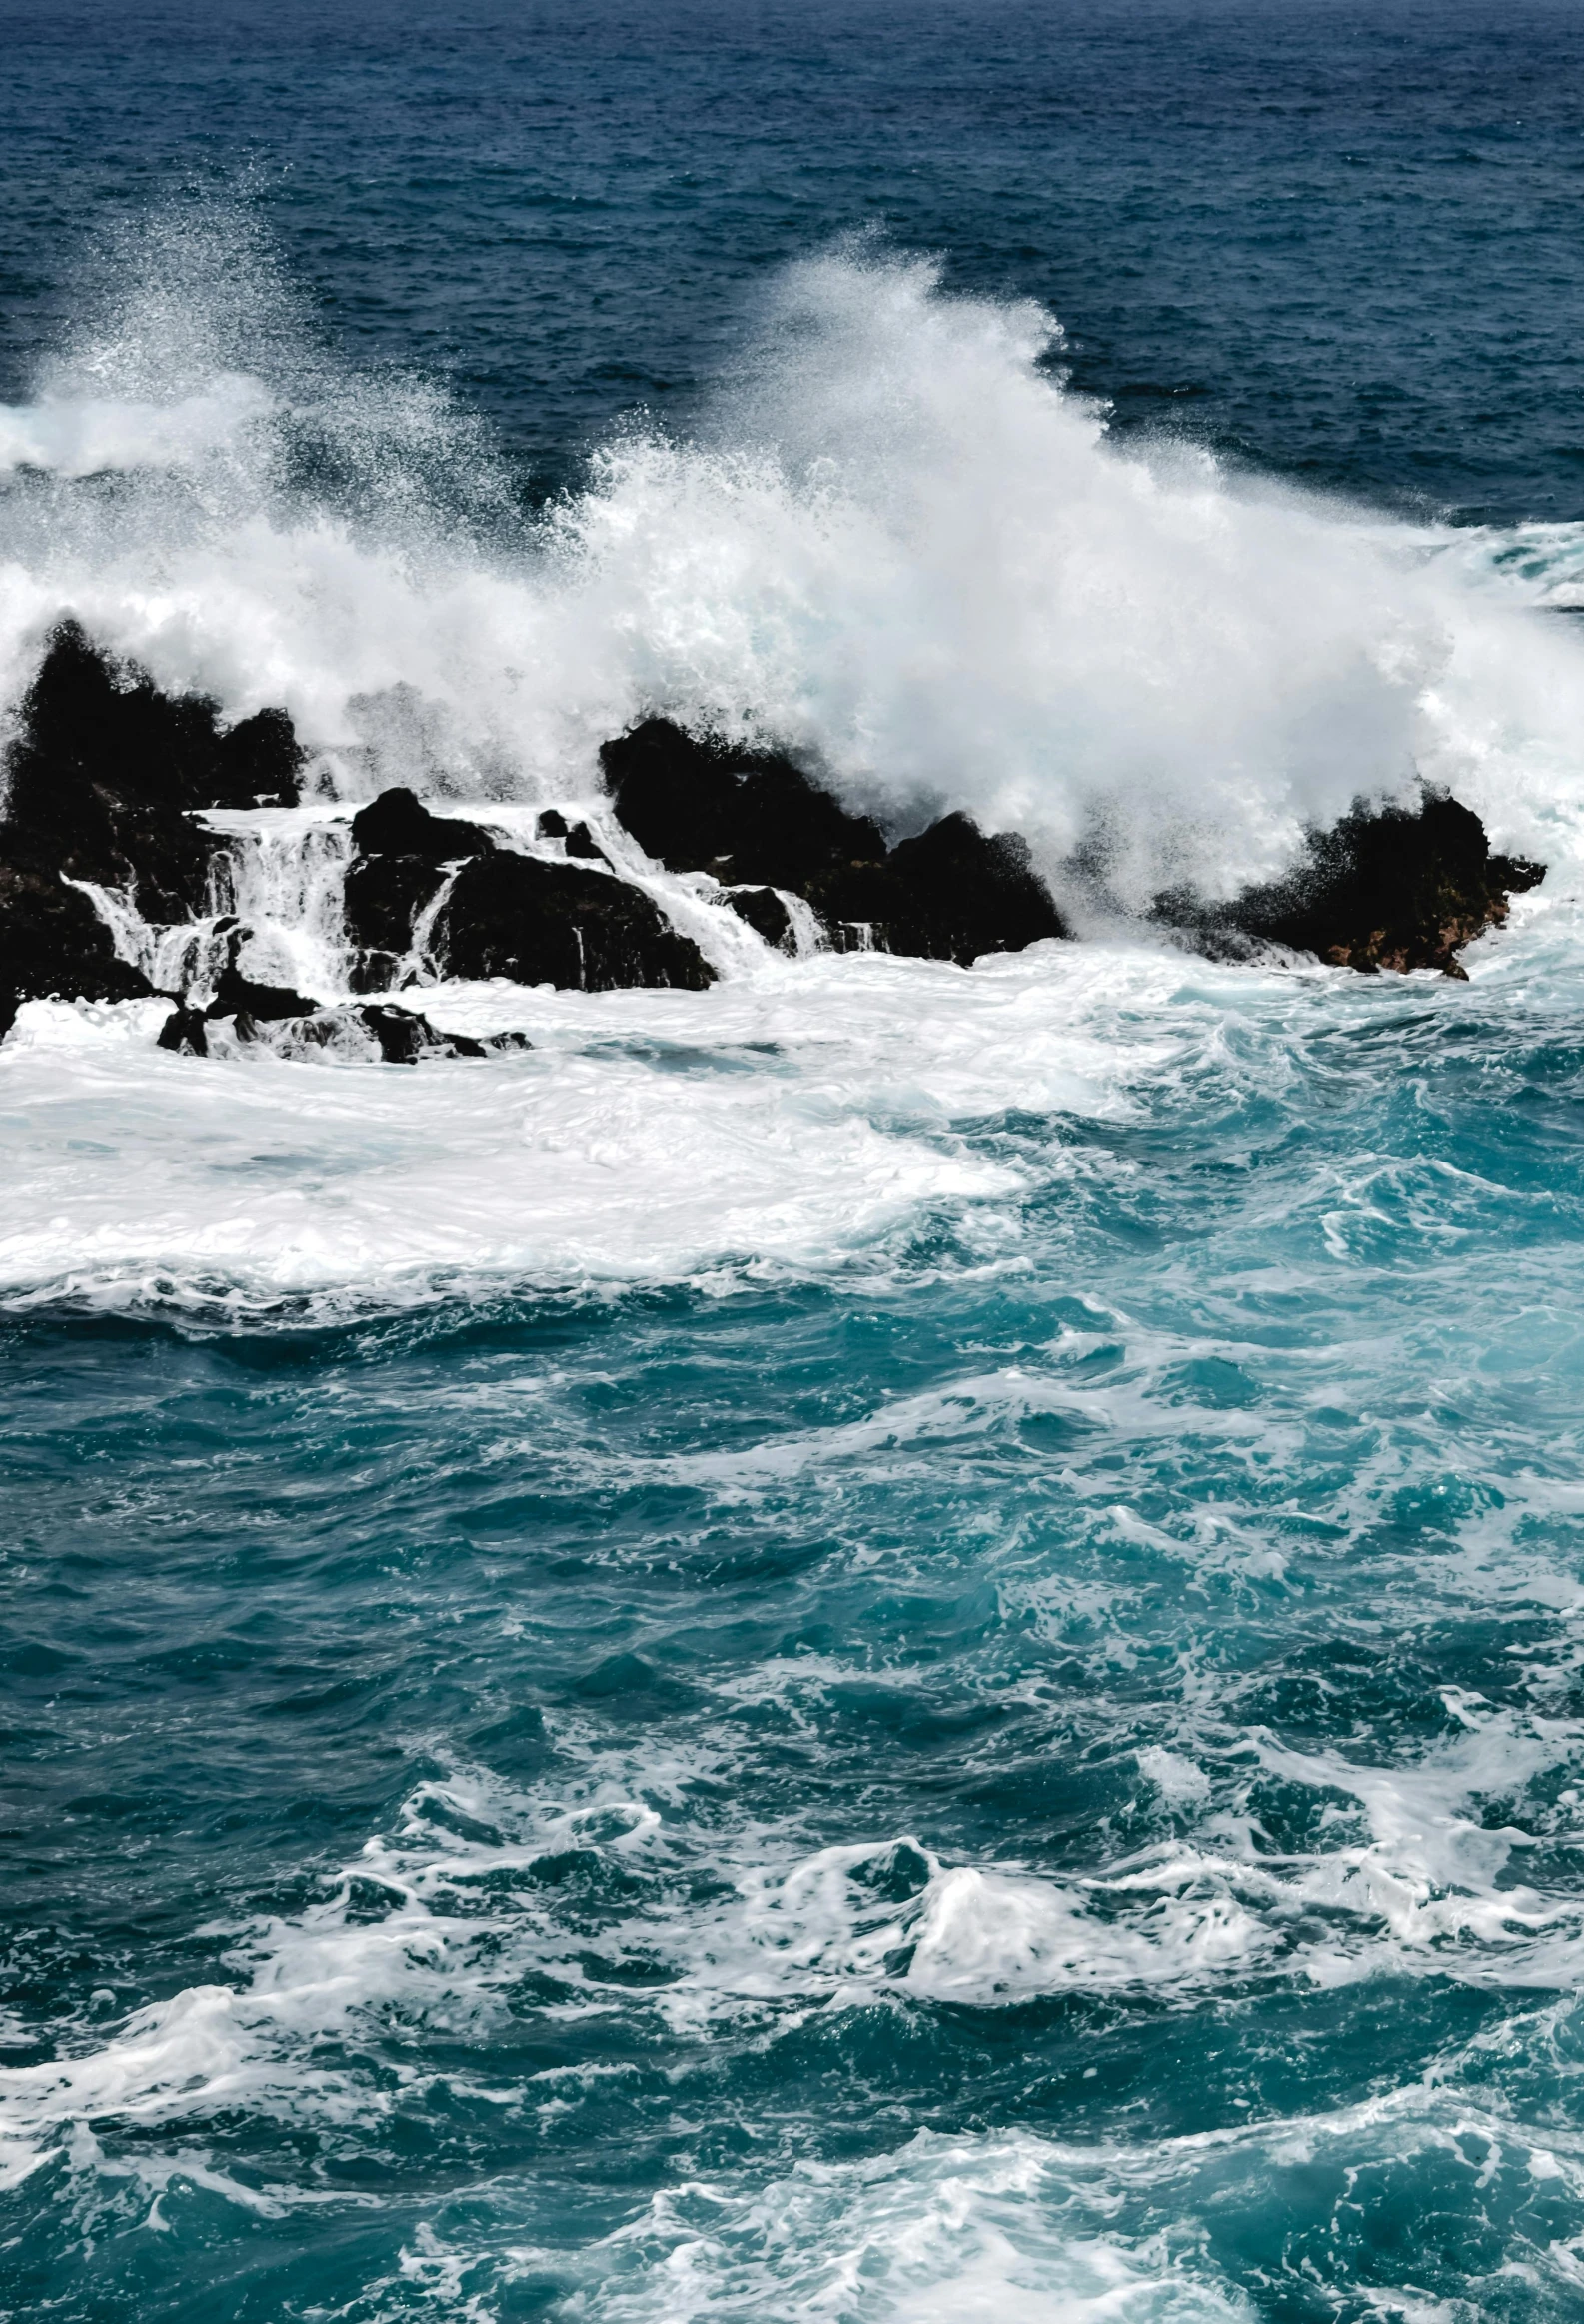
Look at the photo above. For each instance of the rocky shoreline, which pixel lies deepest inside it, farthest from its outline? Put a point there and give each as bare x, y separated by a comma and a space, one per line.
108, 782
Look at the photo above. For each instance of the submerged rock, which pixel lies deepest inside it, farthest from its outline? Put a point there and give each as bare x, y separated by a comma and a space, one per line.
1385, 888
186, 1030
362, 1030
240, 996
101, 785
399, 1037
549, 924
753, 819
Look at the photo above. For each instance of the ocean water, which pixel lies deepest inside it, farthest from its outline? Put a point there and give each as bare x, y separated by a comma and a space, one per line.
891, 1644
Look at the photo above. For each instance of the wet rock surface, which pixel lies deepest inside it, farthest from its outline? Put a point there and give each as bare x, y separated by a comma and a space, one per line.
750, 817
582, 842
952, 894
551, 923
755, 819
101, 783
1385, 888
52, 940
402, 853
399, 1037
237, 994
398, 824
766, 912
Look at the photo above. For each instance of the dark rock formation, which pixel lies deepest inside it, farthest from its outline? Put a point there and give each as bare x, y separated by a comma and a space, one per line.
402, 855
53, 941
766, 913
238, 995
754, 817
505, 914
582, 842
549, 924
1385, 888
187, 1031
398, 824
101, 783
951, 893
107, 772
750, 817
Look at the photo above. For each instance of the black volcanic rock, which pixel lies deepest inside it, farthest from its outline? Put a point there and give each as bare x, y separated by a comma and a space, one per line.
52, 940
187, 1031
750, 817
551, 923
238, 995
398, 824
398, 1037
766, 913
101, 784
1384, 888
951, 893
582, 842
107, 772
84, 722
402, 853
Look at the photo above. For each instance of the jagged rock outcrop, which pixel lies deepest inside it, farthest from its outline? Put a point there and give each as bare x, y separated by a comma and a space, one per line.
516, 915
582, 842
753, 818
1385, 888
107, 778
750, 817
951, 893
101, 784
402, 853
503, 914
240, 996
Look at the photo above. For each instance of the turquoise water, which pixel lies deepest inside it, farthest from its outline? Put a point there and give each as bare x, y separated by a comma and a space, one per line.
1032, 1765
891, 1643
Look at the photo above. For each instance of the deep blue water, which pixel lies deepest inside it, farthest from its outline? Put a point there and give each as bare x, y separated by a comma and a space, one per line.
1014, 1755
1340, 239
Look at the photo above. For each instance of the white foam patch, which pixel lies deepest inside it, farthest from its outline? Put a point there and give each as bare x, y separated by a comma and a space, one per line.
949, 2228
1042, 2231
788, 1118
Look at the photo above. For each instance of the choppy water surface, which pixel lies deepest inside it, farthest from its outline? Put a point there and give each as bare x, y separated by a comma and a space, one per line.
892, 1644
1025, 1765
